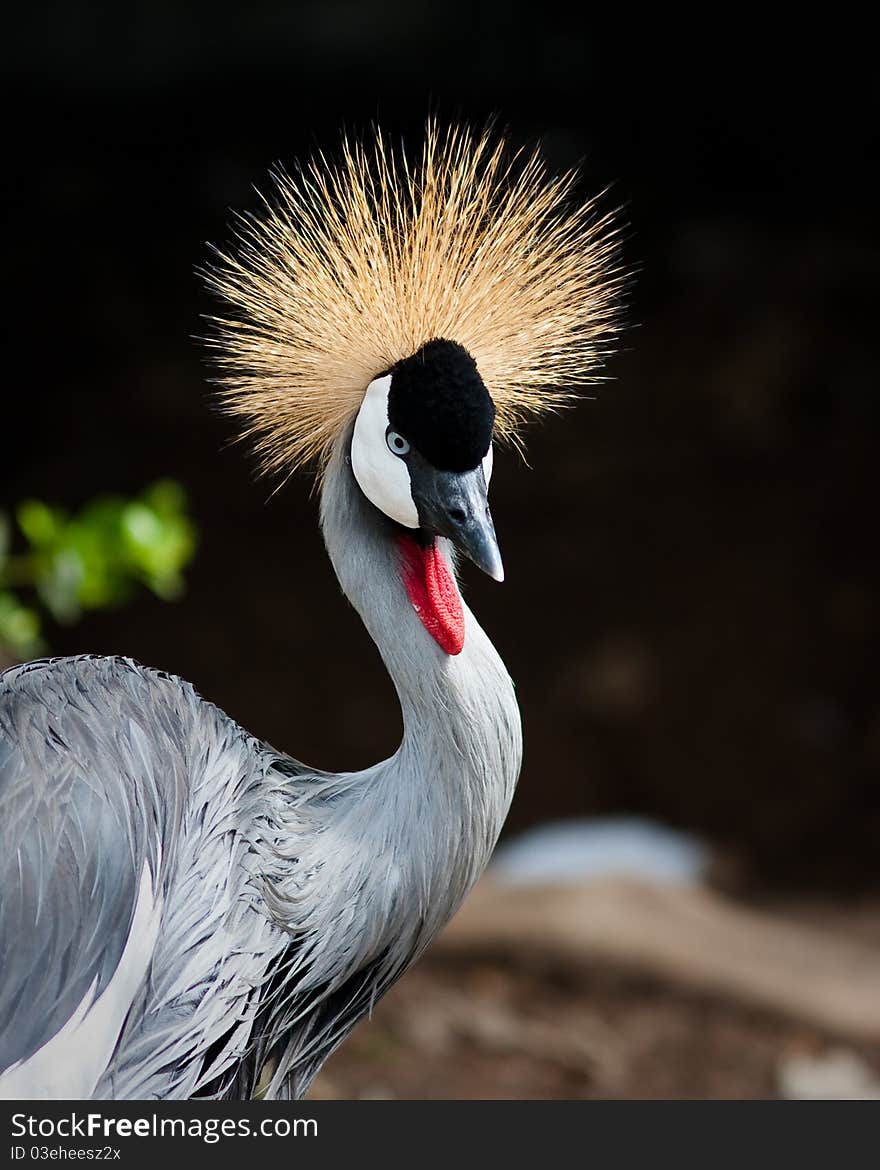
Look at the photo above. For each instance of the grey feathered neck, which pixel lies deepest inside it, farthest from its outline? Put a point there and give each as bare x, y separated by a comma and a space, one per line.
439, 694
394, 848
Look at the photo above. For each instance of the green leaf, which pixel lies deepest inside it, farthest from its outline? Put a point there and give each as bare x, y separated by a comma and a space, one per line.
5, 538
58, 581
167, 497
19, 627
39, 523
141, 525
159, 538
96, 558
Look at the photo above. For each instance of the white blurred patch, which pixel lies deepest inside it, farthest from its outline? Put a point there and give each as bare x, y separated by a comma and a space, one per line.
839, 1075
583, 850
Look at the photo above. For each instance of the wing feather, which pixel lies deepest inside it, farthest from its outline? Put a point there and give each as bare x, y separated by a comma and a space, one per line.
80, 851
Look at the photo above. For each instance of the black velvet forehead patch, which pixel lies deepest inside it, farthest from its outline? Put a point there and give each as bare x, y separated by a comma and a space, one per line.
438, 402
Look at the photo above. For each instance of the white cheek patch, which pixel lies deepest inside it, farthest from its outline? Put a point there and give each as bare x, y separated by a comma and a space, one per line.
383, 477
488, 460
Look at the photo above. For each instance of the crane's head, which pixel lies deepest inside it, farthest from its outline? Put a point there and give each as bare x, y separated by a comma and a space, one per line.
423, 306
421, 450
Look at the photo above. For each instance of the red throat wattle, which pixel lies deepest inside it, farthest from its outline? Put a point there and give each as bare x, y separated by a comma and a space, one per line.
433, 592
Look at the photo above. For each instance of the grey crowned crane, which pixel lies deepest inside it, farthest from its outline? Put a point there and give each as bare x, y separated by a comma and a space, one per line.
185, 910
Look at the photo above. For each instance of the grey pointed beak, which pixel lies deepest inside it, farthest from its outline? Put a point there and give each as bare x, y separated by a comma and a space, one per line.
455, 504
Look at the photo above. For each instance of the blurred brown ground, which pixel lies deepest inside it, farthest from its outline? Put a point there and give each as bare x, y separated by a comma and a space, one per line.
472, 1025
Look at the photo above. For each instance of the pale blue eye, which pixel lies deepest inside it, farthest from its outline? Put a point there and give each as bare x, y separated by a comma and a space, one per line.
397, 444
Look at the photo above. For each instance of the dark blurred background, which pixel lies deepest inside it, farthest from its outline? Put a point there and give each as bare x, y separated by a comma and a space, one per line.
691, 611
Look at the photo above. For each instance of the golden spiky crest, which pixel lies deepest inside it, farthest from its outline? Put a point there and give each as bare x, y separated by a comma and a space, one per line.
353, 265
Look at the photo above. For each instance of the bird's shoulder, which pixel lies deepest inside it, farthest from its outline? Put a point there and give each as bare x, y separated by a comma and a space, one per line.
54, 685
99, 707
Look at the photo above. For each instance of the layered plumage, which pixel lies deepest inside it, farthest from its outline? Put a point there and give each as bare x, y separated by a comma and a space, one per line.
352, 265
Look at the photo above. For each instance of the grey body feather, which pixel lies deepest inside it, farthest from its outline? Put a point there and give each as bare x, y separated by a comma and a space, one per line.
285, 899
